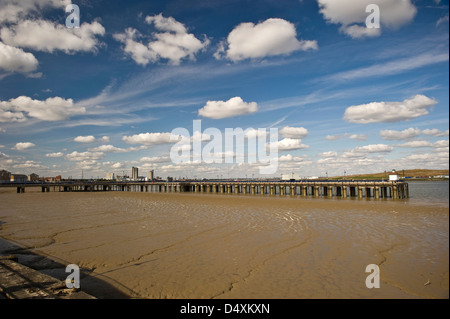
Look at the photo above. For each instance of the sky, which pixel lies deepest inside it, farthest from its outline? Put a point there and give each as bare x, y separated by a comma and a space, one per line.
347, 96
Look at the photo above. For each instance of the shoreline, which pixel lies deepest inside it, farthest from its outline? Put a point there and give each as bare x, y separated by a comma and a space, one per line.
180, 245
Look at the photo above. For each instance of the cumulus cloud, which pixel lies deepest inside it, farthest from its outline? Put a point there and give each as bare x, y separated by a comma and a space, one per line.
410, 133
252, 133
389, 111
14, 11
29, 164
328, 154
148, 138
173, 42
375, 148
84, 139
268, 38
223, 109
363, 151
294, 132
84, 156
399, 135
351, 15
441, 146
415, 144
117, 165
51, 109
435, 132
13, 59
114, 149
155, 159
358, 137
47, 36
57, 154
23, 146
290, 144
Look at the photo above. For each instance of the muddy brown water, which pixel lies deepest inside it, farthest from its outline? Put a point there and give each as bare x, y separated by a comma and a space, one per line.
183, 245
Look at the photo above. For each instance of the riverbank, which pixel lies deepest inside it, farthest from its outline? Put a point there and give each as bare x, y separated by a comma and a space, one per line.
184, 245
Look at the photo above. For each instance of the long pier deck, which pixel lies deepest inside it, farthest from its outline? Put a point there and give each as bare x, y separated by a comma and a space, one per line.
308, 188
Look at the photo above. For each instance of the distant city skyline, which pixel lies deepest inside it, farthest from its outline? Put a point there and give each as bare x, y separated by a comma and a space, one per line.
104, 98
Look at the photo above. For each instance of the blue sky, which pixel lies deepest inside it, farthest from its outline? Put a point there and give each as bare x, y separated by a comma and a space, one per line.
104, 97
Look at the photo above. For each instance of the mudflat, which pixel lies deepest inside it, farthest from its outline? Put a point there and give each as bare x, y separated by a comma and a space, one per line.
184, 245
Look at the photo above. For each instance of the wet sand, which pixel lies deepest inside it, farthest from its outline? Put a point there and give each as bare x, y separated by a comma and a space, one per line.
156, 245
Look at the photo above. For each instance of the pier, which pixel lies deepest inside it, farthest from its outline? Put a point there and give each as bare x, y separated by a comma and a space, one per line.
307, 188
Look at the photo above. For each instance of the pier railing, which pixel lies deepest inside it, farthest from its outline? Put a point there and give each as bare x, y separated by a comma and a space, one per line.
308, 188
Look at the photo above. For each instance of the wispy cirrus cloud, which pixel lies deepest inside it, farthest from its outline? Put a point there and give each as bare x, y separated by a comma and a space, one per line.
389, 68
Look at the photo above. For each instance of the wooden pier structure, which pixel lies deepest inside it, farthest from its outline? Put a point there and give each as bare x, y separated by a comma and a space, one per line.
309, 188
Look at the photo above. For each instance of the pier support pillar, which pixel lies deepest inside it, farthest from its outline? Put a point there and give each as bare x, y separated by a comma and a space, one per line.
395, 195
360, 192
316, 191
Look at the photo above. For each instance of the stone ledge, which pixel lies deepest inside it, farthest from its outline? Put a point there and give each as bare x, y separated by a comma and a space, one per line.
20, 282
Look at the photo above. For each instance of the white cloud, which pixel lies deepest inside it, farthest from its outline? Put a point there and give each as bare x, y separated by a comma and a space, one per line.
351, 14
294, 132
268, 38
117, 165
57, 154
84, 156
108, 148
328, 154
223, 109
433, 159
289, 144
435, 132
415, 144
375, 148
252, 133
148, 138
114, 149
43, 35
289, 158
51, 109
389, 111
29, 164
155, 159
23, 146
441, 146
84, 139
16, 60
357, 32
173, 44
14, 11
399, 135
104, 139
363, 151
410, 133
359, 137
